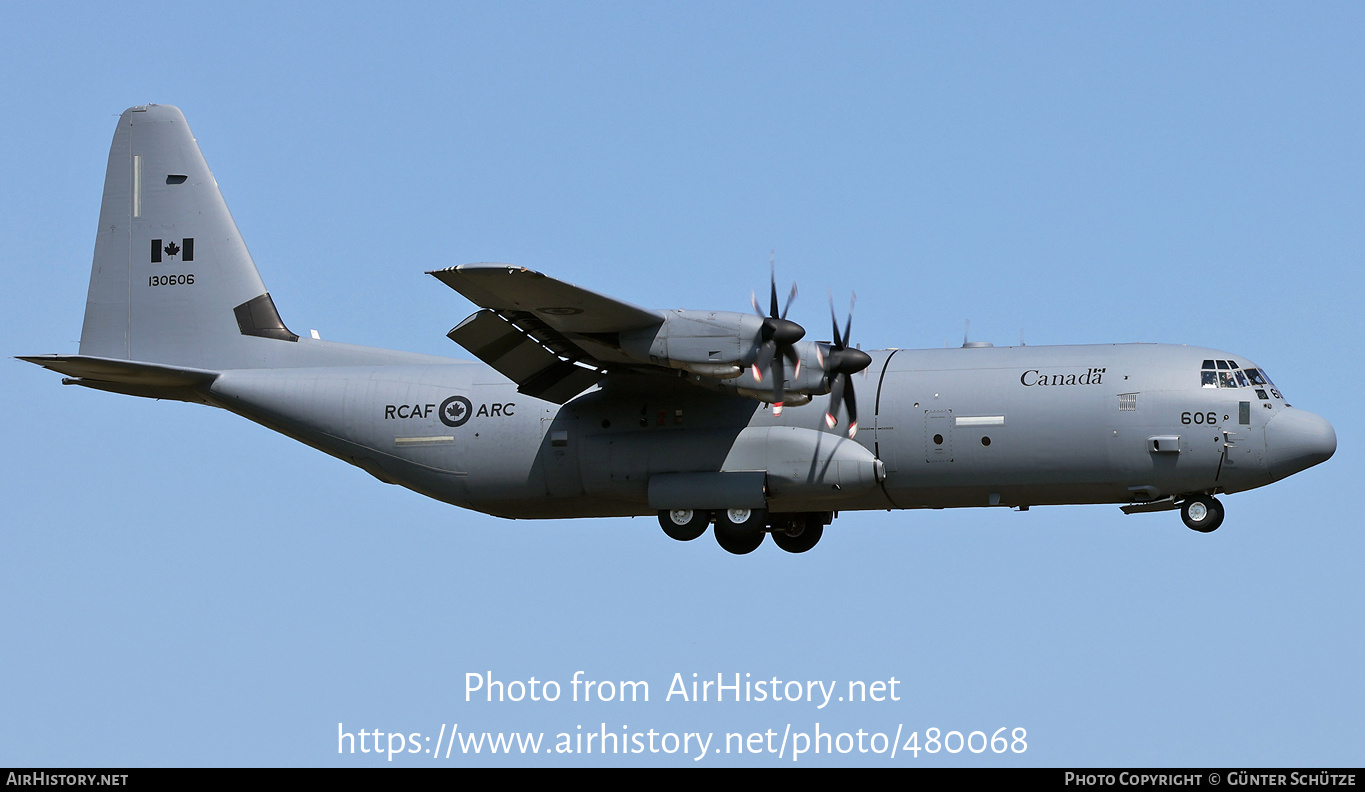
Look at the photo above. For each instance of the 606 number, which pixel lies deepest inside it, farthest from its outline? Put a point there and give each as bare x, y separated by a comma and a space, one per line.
1199, 418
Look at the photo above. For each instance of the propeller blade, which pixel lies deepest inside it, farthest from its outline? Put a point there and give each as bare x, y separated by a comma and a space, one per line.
774, 344
765, 357
848, 326
840, 362
852, 408
836, 396
779, 386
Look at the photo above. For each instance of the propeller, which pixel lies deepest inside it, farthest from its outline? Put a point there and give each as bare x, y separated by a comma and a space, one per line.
774, 344
840, 363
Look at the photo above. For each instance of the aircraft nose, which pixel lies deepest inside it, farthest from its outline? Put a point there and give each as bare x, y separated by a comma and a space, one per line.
1297, 440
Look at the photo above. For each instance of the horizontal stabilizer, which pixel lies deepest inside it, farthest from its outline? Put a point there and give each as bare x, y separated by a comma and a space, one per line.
123, 371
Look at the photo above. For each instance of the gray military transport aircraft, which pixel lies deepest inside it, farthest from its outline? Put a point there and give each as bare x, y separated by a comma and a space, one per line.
592, 407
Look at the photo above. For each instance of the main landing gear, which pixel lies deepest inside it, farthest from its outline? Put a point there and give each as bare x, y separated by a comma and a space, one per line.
1202, 513
740, 531
798, 533
684, 524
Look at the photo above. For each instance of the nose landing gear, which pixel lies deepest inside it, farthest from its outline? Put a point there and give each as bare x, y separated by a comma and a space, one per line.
1202, 513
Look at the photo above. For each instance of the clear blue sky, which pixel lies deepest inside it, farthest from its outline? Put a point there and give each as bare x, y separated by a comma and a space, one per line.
178, 586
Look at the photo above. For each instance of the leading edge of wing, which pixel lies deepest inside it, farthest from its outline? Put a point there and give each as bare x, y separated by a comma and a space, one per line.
563, 306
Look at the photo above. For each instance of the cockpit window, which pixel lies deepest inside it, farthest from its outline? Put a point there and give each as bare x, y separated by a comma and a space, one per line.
1227, 374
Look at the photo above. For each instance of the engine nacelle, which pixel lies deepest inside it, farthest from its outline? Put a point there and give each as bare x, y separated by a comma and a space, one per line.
802, 382
718, 348
694, 338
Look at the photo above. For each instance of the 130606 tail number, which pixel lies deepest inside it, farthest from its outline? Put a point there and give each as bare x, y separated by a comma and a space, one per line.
171, 280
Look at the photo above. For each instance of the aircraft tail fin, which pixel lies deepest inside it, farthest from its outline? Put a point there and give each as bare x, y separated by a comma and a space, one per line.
172, 281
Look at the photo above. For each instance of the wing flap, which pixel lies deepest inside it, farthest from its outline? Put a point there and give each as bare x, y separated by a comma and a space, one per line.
554, 339
522, 358
491, 339
560, 382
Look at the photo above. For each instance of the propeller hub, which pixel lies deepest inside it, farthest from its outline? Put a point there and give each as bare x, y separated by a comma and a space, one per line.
784, 331
848, 361
856, 360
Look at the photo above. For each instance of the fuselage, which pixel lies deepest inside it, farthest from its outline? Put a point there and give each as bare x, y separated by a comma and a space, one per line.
583, 405
1010, 426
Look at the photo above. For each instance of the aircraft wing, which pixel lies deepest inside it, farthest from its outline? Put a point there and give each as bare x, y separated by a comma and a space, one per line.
552, 338
563, 306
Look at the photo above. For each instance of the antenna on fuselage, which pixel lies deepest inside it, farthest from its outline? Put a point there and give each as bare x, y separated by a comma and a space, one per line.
967, 343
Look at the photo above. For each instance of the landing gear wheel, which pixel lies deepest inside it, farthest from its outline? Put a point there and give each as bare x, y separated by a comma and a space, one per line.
684, 524
740, 531
809, 530
1202, 513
